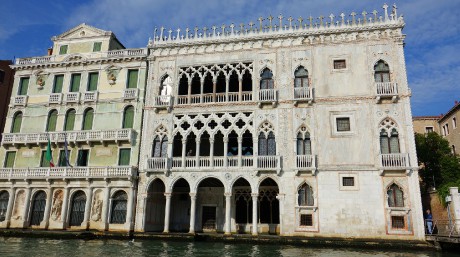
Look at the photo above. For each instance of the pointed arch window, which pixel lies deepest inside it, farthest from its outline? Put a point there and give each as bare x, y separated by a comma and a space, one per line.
69, 122
305, 197
381, 72
128, 117
395, 196
52, 119
266, 79
88, 119
389, 142
301, 77
160, 146
267, 144
303, 144
17, 121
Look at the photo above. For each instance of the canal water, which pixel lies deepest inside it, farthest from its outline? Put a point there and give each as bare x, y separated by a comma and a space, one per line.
30, 247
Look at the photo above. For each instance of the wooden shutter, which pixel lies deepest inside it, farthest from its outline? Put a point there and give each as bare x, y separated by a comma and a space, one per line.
132, 78
128, 117
125, 156
75, 84
92, 81
63, 49
52, 118
58, 80
69, 120
62, 161
44, 162
97, 46
88, 119
24, 86
17, 120
9, 159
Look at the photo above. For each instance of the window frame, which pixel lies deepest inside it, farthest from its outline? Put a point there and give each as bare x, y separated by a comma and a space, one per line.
21, 84
6, 159
429, 127
88, 89
55, 83
342, 114
343, 187
63, 49
99, 46
72, 79
128, 80
337, 61
128, 150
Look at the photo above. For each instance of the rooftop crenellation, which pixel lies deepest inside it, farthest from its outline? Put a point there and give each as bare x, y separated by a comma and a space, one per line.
277, 25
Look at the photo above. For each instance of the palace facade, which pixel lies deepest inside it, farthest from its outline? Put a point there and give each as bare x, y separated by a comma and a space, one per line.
289, 127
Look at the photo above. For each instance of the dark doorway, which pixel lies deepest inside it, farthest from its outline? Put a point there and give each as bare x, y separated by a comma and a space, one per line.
208, 218
77, 210
38, 208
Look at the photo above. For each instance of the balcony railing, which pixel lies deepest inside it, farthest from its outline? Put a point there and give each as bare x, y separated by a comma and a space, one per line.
20, 100
55, 98
394, 161
268, 96
90, 96
303, 93
85, 136
305, 162
245, 96
386, 89
67, 173
72, 97
127, 52
130, 93
163, 101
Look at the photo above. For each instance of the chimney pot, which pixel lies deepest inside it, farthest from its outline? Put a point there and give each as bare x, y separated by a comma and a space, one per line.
50, 51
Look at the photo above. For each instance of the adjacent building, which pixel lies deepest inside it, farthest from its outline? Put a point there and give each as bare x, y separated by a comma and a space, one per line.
85, 101
6, 86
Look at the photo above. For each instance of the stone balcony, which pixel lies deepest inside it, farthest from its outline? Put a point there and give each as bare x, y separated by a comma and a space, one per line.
90, 96
303, 94
55, 98
67, 173
229, 97
72, 97
130, 93
386, 90
258, 163
268, 96
20, 100
394, 161
73, 137
305, 163
163, 102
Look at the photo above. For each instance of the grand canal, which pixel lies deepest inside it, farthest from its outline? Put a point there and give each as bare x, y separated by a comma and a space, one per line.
51, 247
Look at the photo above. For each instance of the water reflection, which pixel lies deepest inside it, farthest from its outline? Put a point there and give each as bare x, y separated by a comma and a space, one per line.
32, 247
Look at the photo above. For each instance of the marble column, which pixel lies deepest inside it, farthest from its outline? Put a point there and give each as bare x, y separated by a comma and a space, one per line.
49, 203
240, 150
9, 209
25, 212
255, 197
106, 206
214, 90
225, 151
240, 89
167, 212
189, 94
211, 152
192, 212
201, 89
65, 204
197, 153
89, 199
130, 209
228, 205
184, 145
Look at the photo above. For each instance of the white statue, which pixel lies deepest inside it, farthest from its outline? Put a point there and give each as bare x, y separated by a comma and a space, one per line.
166, 90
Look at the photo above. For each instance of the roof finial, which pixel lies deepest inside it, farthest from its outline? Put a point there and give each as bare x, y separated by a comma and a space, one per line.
187, 31
311, 21
385, 7
280, 17
161, 32
394, 11
332, 18
251, 24
321, 20
300, 19
214, 30
364, 13
270, 18
343, 18
223, 29
375, 15
353, 14
260, 23
290, 19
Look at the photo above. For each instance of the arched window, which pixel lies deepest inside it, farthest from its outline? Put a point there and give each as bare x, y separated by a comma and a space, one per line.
4, 197
52, 119
119, 208
305, 195
389, 142
266, 79
267, 144
17, 121
165, 87
128, 117
69, 120
301, 77
303, 144
38, 208
395, 196
381, 72
77, 210
160, 146
88, 119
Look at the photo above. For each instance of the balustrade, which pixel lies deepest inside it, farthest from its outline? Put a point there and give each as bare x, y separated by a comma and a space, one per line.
90, 96
20, 100
130, 93
303, 93
305, 162
268, 95
55, 98
386, 88
67, 172
394, 160
72, 97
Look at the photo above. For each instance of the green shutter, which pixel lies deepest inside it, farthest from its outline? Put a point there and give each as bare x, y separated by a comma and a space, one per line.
17, 120
58, 80
97, 46
63, 49
69, 120
132, 78
24, 86
92, 81
9, 159
128, 117
52, 118
88, 120
75, 86
125, 156
44, 162
62, 160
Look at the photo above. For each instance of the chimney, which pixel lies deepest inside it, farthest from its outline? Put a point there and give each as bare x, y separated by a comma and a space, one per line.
50, 51
456, 102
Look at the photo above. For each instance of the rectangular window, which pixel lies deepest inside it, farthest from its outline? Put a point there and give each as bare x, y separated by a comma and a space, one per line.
339, 64
97, 46
397, 222
75, 82
124, 157
429, 129
43, 161
23, 85
92, 81
447, 129
10, 157
454, 123
63, 49
306, 220
62, 162
343, 124
132, 78
82, 159
348, 181
58, 81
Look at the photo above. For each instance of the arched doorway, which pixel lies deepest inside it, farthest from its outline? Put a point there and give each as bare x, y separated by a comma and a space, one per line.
77, 209
180, 206
155, 207
210, 212
119, 208
4, 197
243, 205
269, 209
38, 208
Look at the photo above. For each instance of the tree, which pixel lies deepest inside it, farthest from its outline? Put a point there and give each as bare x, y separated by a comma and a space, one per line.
439, 166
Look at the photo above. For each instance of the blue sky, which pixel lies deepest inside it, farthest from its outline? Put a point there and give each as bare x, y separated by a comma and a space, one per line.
432, 29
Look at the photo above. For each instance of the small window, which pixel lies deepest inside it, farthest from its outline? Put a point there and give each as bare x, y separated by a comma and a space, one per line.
447, 129
23, 85
348, 181
306, 220
97, 46
75, 82
58, 81
454, 123
397, 222
82, 159
93, 81
63, 49
10, 157
343, 124
339, 64
43, 161
429, 129
132, 78
2, 76
124, 157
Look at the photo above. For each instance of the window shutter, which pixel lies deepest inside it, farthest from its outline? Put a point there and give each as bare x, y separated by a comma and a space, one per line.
156, 147
63, 49
124, 158
394, 144
58, 80
75, 86
24, 86
128, 117
43, 161
9, 159
62, 160
52, 118
307, 146
132, 78
271, 144
88, 120
16, 128
93, 79
97, 46
69, 121
164, 147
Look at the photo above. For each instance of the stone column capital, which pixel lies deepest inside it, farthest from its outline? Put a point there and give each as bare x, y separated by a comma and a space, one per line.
228, 194
192, 196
